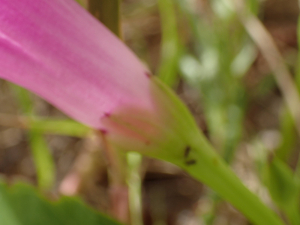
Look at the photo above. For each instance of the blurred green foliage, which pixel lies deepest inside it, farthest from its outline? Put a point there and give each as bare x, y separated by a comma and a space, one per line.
170, 44
41, 153
22, 205
216, 67
284, 188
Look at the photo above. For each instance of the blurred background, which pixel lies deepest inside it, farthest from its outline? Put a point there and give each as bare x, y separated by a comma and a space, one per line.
220, 56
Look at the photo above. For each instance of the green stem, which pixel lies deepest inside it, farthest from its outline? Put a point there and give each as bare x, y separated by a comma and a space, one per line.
134, 183
210, 169
195, 154
46, 125
108, 12
42, 157
117, 168
43, 160
170, 47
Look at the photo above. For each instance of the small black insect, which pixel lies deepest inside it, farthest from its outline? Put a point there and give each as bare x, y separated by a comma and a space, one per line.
187, 151
190, 162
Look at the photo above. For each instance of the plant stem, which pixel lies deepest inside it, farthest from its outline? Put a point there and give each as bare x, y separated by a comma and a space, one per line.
44, 125
117, 168
210, 169
170, 46
195, 155
108, 12
134, 182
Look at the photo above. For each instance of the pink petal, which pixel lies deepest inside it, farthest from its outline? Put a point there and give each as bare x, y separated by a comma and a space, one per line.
59, 51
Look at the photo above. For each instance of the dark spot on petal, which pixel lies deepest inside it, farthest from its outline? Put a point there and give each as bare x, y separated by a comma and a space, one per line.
149, 75
103, 131
106, 114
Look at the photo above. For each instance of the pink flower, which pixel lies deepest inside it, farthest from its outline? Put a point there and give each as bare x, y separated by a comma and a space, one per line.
59, 51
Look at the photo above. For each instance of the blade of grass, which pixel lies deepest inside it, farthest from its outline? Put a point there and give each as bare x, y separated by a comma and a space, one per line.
284, 188
41, 153
43, 160
170, 46
269, 50
288, 136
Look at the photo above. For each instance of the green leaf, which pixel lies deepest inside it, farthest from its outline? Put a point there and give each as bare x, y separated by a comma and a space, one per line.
288, 136
22, 205
284, 188
282, 184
